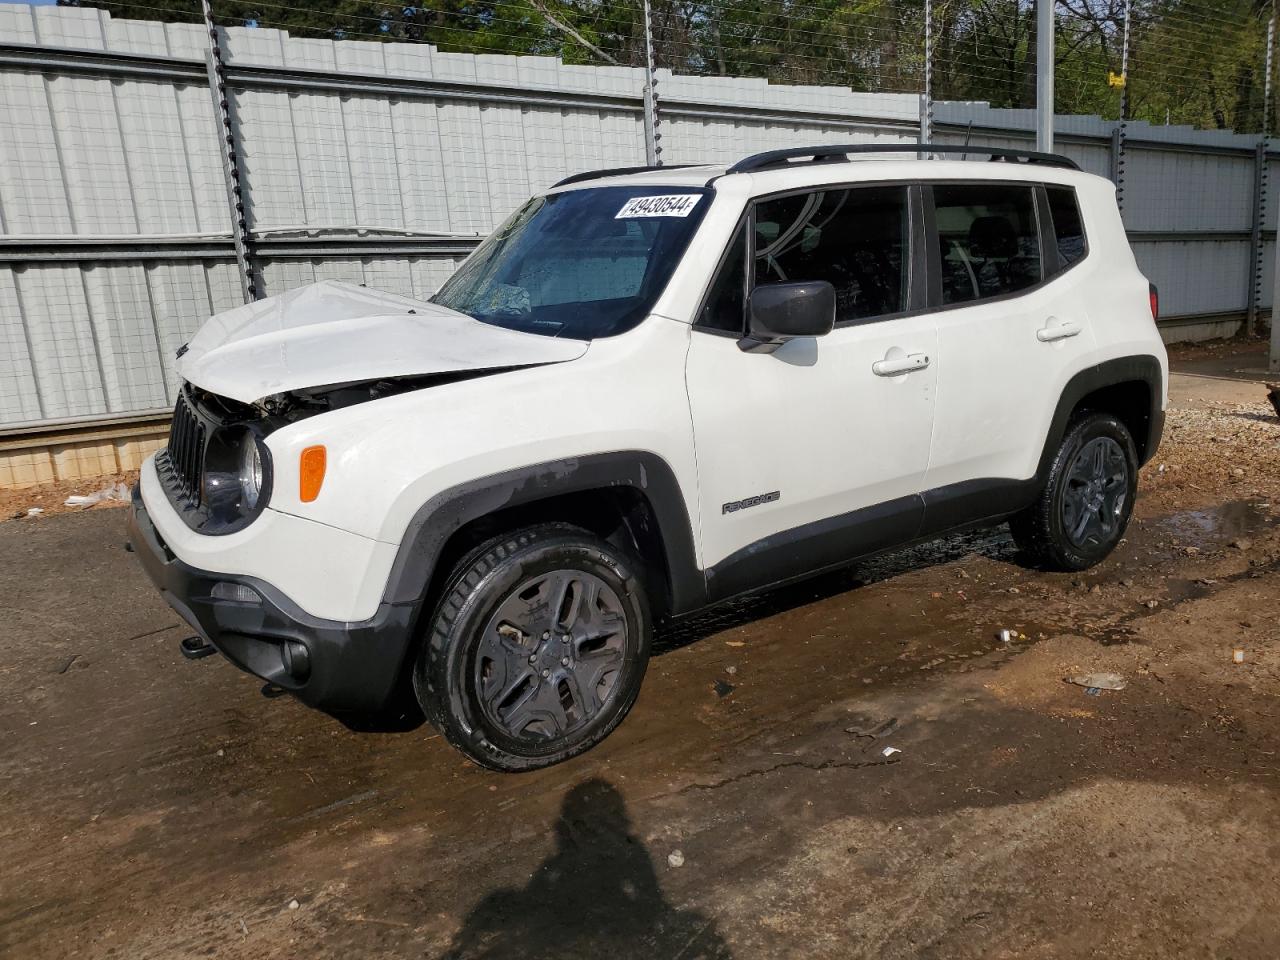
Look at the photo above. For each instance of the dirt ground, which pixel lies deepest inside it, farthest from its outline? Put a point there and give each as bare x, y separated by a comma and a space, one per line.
152, 807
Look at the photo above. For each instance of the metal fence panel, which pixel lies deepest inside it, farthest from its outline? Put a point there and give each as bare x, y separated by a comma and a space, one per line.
1196, 276
346, 146
1184, 191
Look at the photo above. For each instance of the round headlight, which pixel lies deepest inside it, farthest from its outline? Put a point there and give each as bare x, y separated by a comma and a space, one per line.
250, 471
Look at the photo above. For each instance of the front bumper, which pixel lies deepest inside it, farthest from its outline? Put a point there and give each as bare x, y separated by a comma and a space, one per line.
352, 666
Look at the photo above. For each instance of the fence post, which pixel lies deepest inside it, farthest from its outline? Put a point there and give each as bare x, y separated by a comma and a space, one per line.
1255, 239
1118, 135
1263, 174
230, 157
1117, 163
1274, 364
652, 149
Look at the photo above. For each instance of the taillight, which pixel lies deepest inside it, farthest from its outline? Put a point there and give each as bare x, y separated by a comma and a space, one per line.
1155, 302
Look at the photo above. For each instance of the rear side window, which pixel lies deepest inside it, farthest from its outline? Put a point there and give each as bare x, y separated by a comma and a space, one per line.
855, 239
989, 240
1068, 227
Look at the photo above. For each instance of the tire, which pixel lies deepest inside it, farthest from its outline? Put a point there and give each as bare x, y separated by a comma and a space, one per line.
1082, 511
496, 675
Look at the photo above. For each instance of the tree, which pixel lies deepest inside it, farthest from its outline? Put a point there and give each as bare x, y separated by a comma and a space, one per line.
1190, 61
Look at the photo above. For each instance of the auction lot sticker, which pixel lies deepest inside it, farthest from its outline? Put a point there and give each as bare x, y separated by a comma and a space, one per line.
677, 205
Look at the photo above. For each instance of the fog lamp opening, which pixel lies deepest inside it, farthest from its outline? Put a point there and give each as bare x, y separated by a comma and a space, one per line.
234, 592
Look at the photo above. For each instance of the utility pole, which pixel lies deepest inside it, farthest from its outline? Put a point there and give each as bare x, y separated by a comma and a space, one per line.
926, 99
1044, 76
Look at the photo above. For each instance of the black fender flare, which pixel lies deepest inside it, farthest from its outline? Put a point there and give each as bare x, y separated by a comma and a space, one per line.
448, 511
1143, 368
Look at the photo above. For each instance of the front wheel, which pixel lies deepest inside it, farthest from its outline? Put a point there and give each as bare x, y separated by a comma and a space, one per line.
537, 648
1087, 500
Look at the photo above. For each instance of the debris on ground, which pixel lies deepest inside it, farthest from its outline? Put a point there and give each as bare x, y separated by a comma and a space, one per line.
293, 904
118, 492
1237, 656
1100, 681
889, 751
723, 689
874, 731
675, 858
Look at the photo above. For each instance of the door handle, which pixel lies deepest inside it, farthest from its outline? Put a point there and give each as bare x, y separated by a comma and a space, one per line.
891, 367
1057, 330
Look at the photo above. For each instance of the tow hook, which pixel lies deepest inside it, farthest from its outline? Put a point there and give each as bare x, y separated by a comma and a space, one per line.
195, 648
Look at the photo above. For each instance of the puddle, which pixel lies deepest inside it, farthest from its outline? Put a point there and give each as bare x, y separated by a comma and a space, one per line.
1216, 526
1114, 636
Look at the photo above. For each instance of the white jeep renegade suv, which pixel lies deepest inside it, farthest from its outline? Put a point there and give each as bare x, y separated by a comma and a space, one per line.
649, 391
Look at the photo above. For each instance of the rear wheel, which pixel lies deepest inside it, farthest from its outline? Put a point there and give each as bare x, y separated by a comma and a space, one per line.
1087, 501
537, 649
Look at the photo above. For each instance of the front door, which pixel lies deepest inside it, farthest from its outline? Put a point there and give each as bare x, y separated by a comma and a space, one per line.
817, 452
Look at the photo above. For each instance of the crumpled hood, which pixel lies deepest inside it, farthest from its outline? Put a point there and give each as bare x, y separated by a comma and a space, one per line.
332, 332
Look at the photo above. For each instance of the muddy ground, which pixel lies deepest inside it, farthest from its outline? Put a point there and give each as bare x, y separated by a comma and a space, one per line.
152, 807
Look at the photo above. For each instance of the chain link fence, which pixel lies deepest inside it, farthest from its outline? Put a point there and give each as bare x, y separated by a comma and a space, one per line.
170, 160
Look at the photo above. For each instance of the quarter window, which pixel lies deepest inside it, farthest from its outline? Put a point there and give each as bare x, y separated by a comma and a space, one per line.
855, 239
726, 303
1068, 228
989, 240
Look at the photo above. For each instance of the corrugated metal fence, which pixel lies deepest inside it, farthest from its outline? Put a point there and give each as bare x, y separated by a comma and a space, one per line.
382, 163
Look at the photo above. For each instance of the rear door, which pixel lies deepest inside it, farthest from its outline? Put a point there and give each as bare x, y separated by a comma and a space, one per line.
1012, 328
816, 452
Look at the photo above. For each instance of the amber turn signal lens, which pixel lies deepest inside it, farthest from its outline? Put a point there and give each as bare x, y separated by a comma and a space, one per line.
311, 473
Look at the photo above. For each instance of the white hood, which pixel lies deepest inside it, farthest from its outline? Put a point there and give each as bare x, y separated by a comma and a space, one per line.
332, 332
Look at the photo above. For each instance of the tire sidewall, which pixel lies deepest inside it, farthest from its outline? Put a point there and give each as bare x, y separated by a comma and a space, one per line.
451, 669
1090, 428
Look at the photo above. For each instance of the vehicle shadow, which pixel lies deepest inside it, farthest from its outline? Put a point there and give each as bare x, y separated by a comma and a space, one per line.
597, 895
994, 543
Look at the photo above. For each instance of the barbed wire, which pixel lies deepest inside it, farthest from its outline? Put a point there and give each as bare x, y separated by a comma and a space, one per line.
1188, 64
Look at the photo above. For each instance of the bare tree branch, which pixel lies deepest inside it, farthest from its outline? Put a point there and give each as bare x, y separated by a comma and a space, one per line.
566, 28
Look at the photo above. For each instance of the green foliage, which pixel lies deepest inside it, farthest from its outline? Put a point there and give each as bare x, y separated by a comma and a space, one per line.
1198, 62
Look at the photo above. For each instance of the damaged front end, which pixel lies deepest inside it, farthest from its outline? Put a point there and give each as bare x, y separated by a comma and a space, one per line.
252, 370
216, 468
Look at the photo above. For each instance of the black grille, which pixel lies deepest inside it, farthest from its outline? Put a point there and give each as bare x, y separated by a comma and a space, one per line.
186, 451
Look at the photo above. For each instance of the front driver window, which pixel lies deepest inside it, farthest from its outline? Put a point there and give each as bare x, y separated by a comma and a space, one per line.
856, 239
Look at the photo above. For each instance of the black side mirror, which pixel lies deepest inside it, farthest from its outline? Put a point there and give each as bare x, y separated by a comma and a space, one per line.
778, 312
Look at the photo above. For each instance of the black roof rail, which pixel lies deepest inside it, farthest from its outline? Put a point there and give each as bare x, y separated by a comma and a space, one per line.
617, 172
836, 153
